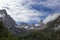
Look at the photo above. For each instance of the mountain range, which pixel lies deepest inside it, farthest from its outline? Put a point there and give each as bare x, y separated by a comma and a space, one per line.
11, 25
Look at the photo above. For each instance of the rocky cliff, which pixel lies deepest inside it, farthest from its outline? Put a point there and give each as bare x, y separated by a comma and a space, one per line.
7, 20
10, 24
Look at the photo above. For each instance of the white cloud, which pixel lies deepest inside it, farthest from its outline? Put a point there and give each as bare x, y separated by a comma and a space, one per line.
18, 11
51, 3
51, 18
47, 3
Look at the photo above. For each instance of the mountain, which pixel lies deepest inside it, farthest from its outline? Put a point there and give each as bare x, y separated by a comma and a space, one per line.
10, 24
7, 20
8, 28
3, 32
53, 24
22, 25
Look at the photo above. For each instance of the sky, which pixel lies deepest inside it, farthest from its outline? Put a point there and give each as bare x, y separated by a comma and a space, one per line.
31, 11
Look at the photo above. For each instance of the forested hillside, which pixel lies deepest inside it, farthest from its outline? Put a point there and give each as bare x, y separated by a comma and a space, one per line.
34, 35
52, 24
5, 34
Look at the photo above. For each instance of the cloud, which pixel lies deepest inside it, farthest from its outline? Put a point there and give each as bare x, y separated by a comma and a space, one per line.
43, 4
51, 18
51, 3
18, 11
50, 6
22, 10
47, 3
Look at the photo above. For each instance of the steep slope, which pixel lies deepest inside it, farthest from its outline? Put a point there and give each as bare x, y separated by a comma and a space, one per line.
7, 20
35, 35
3, 32
10, 24
52, 24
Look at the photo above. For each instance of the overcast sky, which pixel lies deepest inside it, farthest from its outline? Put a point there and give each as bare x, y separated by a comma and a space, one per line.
31, 10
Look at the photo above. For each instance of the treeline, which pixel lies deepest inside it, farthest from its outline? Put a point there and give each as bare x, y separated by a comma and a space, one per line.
5, 34
45, 34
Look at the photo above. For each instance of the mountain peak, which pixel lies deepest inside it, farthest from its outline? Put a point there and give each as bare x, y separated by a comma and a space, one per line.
3, 11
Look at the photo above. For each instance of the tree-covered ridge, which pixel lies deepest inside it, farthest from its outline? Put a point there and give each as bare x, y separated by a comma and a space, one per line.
34, 35
52, 24
5, 34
